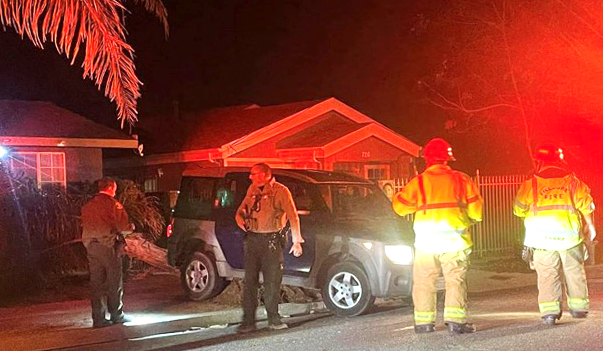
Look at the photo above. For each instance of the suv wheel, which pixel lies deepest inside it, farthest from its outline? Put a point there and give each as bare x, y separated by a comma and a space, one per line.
347, 291
199, 277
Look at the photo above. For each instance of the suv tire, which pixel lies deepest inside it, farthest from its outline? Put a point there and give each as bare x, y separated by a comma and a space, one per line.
199, 277
347, 291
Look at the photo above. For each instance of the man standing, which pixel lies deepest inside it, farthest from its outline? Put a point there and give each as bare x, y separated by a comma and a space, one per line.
262, 215
104, 220
445, 203
554, 204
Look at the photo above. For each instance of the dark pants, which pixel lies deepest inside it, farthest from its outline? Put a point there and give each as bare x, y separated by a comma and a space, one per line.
259, 258
105, 282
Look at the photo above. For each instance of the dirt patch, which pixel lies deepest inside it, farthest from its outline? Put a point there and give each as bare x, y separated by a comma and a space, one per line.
232, 294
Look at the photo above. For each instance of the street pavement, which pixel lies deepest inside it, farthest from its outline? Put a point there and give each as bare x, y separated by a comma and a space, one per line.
164, 320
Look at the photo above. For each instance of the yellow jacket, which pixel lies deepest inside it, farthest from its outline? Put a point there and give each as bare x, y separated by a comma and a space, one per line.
445, 202
551, 209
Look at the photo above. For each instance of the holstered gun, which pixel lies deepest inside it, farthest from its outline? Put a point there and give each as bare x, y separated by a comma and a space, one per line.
247, 218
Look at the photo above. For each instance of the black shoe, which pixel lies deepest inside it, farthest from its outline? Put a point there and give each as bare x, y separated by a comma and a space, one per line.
424, 328
246, 328
550, 319
458, 328
122, 319
579, 314
102, 323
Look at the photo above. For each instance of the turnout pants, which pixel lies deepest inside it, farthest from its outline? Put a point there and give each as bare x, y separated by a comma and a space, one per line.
261, 257
426, 270
105, 281
551, 267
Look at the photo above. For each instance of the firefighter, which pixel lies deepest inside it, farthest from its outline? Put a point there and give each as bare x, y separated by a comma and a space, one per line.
555, 205
445, 203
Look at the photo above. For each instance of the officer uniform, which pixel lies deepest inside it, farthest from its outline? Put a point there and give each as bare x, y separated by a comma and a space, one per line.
552, 204
265, 211
103, 218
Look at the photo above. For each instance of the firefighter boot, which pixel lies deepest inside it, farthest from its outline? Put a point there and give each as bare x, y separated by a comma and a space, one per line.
550, 319
579, 314
424, 328
458, 328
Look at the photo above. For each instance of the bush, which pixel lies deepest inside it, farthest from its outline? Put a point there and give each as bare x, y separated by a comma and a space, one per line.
40, 234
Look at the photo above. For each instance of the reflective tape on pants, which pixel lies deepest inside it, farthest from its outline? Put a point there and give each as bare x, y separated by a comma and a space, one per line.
424, 317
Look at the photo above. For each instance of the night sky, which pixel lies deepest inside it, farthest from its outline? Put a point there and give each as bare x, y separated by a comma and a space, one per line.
368, 54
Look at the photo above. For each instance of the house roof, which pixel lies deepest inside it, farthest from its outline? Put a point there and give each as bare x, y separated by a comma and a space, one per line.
38, 123
220, 126
330, 129
224, 132
213, 128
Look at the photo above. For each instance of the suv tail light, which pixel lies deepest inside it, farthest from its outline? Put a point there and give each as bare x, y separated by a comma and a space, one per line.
168, 232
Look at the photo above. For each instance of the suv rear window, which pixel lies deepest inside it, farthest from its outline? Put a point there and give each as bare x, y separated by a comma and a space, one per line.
196, 198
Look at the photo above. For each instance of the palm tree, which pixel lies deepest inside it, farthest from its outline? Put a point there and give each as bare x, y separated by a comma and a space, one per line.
97, 24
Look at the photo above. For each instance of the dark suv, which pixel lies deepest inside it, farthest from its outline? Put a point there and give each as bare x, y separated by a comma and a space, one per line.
356, 247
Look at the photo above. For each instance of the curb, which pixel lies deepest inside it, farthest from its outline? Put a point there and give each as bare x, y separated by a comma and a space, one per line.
75, 338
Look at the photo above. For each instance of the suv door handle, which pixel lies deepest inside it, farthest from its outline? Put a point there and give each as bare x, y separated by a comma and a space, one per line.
303, 212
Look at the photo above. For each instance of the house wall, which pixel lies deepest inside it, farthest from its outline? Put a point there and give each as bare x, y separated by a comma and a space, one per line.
372, 151
81, 164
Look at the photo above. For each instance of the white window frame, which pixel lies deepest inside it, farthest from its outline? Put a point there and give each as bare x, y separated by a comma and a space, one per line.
39, 182
376, 167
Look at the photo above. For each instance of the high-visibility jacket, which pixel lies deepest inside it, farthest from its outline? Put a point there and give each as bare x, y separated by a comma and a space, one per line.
445, 203
551, 210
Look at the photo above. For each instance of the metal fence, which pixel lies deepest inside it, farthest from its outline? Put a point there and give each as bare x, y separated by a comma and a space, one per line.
501, 233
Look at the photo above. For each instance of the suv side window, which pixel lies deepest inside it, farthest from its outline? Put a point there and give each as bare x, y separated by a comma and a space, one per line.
302, 194
226, 193
196, 198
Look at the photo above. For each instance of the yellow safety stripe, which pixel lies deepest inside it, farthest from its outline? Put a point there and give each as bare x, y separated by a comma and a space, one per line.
455, 314
578, 304
424, 317
549, 307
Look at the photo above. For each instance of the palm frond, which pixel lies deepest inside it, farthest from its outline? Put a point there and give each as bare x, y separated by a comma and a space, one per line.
157, 8
107, 58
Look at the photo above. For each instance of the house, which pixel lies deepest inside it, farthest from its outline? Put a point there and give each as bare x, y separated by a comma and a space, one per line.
325, 135
53, 145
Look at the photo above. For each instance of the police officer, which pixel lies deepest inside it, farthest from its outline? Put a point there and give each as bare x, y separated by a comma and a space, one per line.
104, 220
262, 215
445, 202
555, 204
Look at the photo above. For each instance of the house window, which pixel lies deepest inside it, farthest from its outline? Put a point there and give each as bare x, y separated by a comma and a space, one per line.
47, 168
353, 168
376, 172
150, 185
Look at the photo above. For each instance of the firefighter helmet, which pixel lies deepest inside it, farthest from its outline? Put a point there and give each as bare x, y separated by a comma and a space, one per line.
438, 149
549, 153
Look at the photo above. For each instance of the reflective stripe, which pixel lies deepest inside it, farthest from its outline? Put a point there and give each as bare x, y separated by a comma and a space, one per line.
549, 308
535, 194
473, 199
521, 205
555, 207
403, 201
438, 206
422, 191
578, 304
424, 317
455, 314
